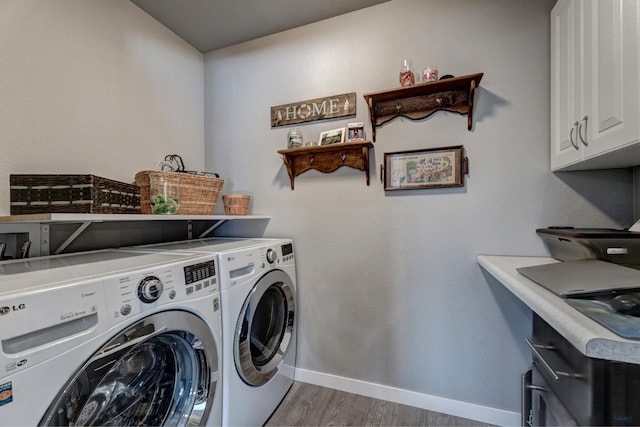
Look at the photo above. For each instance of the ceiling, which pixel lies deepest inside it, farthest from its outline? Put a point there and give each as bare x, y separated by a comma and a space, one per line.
213, 24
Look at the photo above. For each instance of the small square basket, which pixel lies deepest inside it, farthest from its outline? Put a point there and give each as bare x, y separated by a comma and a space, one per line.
236, 204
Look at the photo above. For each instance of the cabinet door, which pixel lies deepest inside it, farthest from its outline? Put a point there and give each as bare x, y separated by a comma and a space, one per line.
612, 89
566, 82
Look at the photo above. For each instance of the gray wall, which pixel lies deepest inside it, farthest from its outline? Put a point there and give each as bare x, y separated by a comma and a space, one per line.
389, 289
94, 87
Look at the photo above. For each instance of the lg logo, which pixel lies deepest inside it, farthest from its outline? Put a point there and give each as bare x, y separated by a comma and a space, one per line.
6, 309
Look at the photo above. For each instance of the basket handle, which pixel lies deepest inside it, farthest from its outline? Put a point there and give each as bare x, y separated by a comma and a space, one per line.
177, 159
203, 173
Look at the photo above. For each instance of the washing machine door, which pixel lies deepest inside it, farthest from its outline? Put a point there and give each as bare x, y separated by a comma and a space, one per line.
264, 328
160, 371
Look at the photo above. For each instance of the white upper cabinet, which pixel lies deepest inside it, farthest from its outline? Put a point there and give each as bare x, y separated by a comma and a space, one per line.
566, 82
595, 84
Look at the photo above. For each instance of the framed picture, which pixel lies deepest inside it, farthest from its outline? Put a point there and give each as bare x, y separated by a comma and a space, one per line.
355, 132
429, 168
334, 136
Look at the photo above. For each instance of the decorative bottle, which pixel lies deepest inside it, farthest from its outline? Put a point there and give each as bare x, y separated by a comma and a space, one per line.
407, 78
430, 74
294, 138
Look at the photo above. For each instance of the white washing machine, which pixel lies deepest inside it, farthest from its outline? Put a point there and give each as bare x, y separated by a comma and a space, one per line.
111, 337
258, 299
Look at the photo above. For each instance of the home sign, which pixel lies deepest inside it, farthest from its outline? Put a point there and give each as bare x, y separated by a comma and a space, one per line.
329, 107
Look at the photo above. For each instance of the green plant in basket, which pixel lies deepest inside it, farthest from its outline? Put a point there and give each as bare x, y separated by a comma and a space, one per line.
160, 205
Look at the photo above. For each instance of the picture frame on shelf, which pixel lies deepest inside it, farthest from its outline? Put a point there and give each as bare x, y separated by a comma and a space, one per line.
427, 168
355, 132
334, 136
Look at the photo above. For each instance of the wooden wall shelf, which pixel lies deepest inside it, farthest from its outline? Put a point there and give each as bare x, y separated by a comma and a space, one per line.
327, 158
421, 100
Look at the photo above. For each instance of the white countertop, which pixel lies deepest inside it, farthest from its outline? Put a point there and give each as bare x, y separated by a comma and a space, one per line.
588, 336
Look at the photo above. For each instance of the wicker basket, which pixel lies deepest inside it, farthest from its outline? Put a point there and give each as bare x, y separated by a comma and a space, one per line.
40, 193
198, 193
236, 204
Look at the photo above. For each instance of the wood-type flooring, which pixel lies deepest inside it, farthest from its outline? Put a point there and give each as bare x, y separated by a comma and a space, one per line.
311, 405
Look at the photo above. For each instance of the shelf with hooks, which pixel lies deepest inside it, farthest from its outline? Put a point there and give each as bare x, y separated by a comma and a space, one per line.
419, 101
327, 158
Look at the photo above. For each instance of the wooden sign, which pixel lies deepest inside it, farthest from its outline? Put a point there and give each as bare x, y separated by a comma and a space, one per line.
329, 107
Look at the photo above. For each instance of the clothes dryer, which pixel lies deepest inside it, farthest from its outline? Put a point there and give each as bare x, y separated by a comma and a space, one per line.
258, 299
110, 337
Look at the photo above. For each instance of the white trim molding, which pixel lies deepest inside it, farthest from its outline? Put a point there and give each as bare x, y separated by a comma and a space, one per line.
456, 408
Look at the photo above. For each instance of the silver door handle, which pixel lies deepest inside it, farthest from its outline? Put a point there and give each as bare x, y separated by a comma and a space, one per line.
571, 138
536, 387
583, 139
554, 374
121, 346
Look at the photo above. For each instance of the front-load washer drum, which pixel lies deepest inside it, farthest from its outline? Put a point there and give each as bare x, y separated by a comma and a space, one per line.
156, 372
264, 328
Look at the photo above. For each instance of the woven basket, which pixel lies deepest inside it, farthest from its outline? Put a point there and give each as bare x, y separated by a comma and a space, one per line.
71, 193
236, 204
198, 193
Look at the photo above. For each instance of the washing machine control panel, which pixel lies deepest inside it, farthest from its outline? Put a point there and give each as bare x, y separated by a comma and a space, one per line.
271, 256
196, 272
149, 289
140, 291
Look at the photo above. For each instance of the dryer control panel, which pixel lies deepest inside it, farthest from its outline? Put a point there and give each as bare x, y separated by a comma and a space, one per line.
239, 266
287, 251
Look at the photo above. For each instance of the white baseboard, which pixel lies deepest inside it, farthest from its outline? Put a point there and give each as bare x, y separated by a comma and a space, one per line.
456, 408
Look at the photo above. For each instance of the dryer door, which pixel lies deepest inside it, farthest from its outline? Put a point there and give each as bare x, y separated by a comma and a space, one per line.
264, 328
160, 371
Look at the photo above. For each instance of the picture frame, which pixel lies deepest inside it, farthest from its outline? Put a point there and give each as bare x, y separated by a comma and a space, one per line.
427, 168
334, 136
355, 132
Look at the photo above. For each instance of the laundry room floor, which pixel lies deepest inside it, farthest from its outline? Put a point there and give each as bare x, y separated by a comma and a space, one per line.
311, 405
